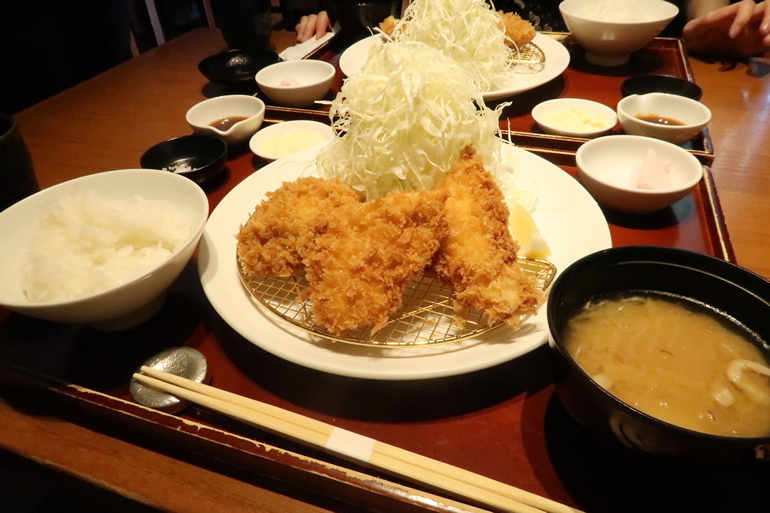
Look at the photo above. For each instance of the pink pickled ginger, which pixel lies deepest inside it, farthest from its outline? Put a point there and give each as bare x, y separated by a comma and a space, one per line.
653, 173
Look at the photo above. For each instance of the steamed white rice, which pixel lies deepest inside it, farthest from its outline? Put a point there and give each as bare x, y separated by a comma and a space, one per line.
87, 243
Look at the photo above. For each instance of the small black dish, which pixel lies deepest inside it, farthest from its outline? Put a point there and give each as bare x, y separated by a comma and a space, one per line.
235, 67
714, 283
643, 84
204, 155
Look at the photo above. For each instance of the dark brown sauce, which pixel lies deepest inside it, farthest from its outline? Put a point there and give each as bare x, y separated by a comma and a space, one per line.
224, 124
659, 120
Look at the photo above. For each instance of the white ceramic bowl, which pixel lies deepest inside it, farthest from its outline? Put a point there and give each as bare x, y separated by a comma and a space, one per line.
257, 143
588, 119
122, 306
314, 77
203, 114
611, 43
693, 114
605, 166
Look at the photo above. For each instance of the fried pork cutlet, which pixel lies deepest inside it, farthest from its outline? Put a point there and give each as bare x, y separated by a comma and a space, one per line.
361, 264
274, 239
518, 32
478, 255
388, 25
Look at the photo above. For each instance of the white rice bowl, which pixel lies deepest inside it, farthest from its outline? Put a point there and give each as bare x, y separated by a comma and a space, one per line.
99, 264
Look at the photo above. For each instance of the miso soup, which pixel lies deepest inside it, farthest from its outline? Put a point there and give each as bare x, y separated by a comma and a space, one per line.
684, 365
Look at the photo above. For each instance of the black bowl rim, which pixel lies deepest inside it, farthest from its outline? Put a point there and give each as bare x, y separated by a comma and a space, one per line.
663, 78
220, 157
231, 77
601, 255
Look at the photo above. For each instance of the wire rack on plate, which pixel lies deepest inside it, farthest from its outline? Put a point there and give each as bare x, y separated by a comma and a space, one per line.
427, 315
530, 55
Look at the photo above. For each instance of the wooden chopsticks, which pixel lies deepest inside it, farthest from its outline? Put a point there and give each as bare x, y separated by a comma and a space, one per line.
354, 446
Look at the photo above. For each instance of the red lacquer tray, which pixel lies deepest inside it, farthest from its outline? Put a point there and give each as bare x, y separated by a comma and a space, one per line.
504, 422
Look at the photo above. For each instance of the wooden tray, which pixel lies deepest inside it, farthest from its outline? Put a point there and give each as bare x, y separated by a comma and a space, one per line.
503, 422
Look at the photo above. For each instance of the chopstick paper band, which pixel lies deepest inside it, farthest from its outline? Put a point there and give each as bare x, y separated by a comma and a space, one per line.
351, 444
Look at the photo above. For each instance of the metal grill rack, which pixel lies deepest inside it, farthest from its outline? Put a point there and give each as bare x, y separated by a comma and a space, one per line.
427, 315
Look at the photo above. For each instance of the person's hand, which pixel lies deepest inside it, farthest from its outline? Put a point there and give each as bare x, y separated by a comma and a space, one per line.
313, 25
741, 29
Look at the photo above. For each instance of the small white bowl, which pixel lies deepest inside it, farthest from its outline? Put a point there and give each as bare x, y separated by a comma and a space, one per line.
314, 77
605, 166
692, 113
611, 43
257, 142
122, 306
203, 114
584, 121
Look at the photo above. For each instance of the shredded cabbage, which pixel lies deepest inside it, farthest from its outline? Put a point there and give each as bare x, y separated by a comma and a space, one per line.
402, 122
466, 30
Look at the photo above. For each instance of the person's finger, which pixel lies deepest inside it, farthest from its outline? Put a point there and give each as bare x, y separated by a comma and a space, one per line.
764, 27
321, 24
306, 28
742, 17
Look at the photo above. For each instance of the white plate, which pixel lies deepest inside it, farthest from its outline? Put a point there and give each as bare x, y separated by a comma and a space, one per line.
311, 127
566, 214
566, 104
556, 61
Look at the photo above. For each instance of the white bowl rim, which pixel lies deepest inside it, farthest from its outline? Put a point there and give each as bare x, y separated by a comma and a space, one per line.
331, 71
650, 141
539, 109
215, 99
623, 23
675, 97
284, 127
195, 233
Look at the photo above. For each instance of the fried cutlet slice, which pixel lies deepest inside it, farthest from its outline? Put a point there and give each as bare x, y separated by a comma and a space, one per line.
478, 254
388, 25
361, 264
274, 239
518, 32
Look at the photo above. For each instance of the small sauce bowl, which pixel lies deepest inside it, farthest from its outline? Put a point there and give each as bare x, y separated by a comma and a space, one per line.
210, 112
693, 116
257, 143
582, 108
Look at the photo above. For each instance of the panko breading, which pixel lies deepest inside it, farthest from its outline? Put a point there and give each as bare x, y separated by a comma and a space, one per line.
274, 239
388, 25
361, 264
518, 32
478, 254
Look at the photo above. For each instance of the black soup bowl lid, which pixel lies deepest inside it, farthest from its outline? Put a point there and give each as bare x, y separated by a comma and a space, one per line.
235, 66
644, 84
714, 283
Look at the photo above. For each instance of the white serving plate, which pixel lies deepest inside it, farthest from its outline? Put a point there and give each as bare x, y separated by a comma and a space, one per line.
566, 214
556, 61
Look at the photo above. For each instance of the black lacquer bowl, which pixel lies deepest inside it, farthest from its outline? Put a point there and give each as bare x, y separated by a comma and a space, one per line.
644, 84
722, 286
235, 67
198, 157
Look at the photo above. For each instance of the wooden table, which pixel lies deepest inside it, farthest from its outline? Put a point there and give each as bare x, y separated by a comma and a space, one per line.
109, 121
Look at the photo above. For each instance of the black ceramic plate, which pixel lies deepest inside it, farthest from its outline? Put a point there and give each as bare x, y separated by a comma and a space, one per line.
235, 66
644, 84
205, 156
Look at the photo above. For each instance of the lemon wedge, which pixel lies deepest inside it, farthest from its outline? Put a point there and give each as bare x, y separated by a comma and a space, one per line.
524, 230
